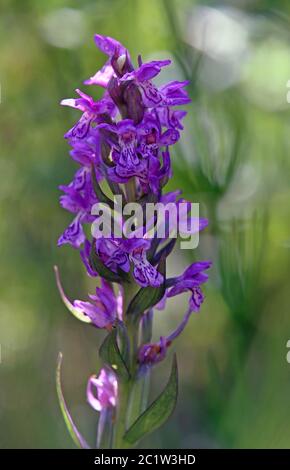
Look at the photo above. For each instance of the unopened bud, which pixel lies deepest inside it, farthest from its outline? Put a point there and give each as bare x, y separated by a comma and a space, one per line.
121, 62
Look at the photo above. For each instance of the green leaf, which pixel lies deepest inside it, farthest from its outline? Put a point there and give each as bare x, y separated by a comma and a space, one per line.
72, 429
111, 355
116, 190
102, 197
103, 271
147, 297
124, 341
158, 412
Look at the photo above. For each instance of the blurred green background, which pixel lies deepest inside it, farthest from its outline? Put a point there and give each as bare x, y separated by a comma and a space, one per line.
233, 159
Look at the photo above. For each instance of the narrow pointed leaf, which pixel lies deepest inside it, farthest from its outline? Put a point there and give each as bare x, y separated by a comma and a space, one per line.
72, 429
111, 355
76, 312
158, 412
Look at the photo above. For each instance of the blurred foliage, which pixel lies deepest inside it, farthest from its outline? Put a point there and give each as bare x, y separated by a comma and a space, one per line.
233, 159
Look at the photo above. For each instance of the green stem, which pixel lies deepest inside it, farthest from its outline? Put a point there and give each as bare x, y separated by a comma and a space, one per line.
121, 418
130, 190
139, 397
105, 429
125, 388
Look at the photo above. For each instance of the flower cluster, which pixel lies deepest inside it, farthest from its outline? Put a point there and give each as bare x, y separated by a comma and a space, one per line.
122, 143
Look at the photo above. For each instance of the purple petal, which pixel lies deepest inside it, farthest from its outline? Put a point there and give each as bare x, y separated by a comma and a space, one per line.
73, 234
102, 391
101, 77
197, 267
171, 118
180, 327
170, 137
196, 299
107, 296
144, 273
150, 354
152, 97
112, 255
81, 128
162, 303
108, 45
150, 70
170, 197
98, 315
71, 102
182, 286
174, 93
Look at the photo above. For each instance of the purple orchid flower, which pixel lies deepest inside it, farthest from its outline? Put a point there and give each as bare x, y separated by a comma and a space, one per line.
119, 61
152, 137
144, 273
118, 55
171, 94
142, 77
79, 194
102, 395
157, 174
74, 234
102, 390
86, 151
102, 308
136, 151
125, 153
183, 222
92, 113
101, 77
101, 311
118, 253
112, 254
152, 353
171, 118
174, 93
191, 280
79, 198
